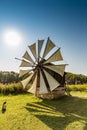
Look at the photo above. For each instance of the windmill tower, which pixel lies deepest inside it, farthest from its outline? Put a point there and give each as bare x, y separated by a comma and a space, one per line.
47, 79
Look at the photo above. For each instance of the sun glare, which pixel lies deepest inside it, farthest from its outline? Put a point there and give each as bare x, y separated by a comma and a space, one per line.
12, 38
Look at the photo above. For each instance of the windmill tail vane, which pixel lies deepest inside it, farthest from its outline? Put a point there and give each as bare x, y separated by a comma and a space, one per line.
44, 74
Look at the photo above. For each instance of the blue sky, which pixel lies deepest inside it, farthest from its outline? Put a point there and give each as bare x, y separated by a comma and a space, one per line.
64, 21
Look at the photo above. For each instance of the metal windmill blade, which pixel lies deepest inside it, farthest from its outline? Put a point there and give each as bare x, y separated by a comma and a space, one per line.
43, 75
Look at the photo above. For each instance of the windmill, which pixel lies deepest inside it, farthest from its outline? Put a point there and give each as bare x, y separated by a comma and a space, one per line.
38, 68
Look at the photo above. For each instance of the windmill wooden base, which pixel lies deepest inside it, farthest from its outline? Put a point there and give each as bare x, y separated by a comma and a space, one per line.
55, 94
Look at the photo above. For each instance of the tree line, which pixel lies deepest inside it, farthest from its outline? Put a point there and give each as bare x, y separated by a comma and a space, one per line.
9, 77
75, 78
13, 77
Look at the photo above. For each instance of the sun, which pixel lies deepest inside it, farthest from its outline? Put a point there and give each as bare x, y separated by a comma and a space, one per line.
12, 38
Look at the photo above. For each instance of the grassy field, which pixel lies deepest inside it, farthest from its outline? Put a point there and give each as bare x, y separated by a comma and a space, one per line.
26, 112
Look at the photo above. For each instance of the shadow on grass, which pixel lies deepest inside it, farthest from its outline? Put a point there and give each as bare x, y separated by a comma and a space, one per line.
58, 114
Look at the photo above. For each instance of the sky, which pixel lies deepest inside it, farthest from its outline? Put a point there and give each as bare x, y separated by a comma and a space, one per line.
64, 21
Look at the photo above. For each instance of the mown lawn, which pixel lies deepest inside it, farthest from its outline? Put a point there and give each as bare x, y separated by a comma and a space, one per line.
26, 112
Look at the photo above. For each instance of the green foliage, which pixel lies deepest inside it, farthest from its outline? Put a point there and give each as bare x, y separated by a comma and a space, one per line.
8, 77
26, 112
76, 78
13, 88
78, 87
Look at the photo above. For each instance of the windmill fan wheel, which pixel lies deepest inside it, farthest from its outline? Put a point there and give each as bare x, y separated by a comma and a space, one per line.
41, 72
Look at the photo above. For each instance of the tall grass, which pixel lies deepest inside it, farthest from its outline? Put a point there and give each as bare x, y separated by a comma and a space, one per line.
80, 87
13, 88
17, 88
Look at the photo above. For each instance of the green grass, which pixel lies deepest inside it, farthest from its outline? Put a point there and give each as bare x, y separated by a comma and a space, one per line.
26, 112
